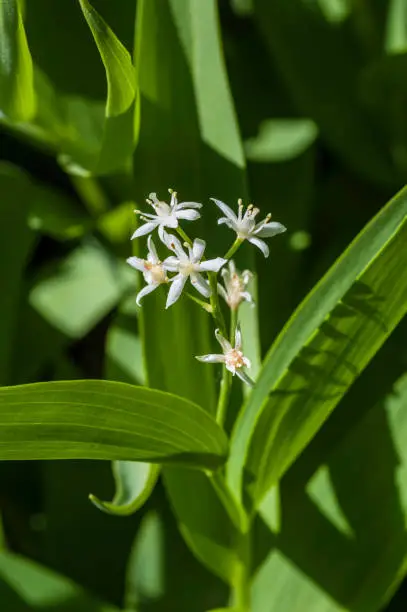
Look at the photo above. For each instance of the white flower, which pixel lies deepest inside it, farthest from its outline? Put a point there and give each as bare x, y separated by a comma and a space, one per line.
232, 357
235, 284
246, 227
166, 215
154, 271
189, 265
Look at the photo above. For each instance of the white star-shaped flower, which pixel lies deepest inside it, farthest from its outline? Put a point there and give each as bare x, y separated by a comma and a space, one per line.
235, 282
154, 271
189, 265
166, 215
232, 357
246, 227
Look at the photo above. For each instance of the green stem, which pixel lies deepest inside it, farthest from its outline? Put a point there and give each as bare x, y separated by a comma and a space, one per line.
184, 236
201, 303
216, 309
224, 393
234, 248
241, 582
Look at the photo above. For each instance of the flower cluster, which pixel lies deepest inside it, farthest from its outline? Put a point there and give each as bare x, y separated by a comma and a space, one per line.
186, 261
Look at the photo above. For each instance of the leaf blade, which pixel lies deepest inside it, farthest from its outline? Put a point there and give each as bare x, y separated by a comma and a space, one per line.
127, 422
309, 325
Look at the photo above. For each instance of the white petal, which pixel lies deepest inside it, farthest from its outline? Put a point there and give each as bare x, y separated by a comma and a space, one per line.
177, 285
152, 250
174, 201
137, 263
189, 215
247, 362
144, 229
145, 291
225, 209
198, 249
212, 265
222, 292
245, 295
238, 338
174, 245
270, 229
200, 284
227, 222
170, 221
231, 368
188, 205
163, 235
260, 244
149, 216
171, 264
225, 344
212, 358
246, 276
245, 378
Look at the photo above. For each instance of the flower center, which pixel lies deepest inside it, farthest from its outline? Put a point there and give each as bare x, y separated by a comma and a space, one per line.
247, 224
154, 273
186, 267
162, 209
234, 358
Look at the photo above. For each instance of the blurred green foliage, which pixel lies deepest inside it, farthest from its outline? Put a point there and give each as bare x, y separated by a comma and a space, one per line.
300, 106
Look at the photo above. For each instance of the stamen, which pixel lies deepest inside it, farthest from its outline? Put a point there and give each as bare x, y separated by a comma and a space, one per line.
240, 202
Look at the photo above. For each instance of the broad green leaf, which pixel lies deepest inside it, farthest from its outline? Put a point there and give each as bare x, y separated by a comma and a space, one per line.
396, 27
134, 484
116, 143
205, 524
134, 481
15, 244
321, 62
354, 509
326, 344
117, 61
17, 97
123, 352
145, 578
81, 290
53, 213
280, 140
179, 57
107, 420
43, 589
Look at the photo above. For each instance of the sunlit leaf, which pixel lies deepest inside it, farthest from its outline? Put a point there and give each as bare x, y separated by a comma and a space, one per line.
17, 98
106, 420
325, 345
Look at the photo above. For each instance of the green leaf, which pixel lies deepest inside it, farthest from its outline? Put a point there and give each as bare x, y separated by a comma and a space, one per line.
42, 589
76, 295
179, 57
16, 241
281, 139
107, 420
354, 507
111, 137
17, 98
117, 62
396, 27
134, 484
145, 574
53, 213
326, 344
320, 62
